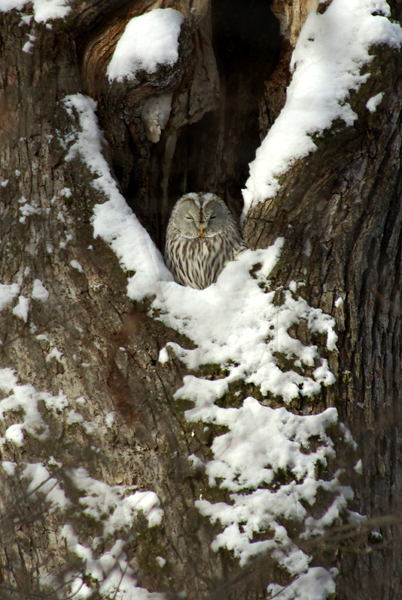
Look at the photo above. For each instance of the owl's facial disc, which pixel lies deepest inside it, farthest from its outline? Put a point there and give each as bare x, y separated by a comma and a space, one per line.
187, 219
194, 219
215, 217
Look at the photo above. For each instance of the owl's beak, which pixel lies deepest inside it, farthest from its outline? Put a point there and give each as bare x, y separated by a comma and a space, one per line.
202, 227
201, 232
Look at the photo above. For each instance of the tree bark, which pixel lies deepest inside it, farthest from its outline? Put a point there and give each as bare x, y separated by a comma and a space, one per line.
339, 211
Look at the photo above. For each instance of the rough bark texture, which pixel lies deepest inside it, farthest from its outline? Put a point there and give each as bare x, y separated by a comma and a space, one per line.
110, 351
339, 210
292, 15
340, 213
214, 93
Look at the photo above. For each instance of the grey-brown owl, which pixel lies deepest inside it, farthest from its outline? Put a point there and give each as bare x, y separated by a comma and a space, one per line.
201, 237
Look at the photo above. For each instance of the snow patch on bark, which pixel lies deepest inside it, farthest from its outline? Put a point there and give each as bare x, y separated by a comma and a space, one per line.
39, 292
316, 584
234, 322
249, 333
114, 507
111, 570
48, 487
374, 102
101, 499
25, 399
44, 10
327, 61
149, 41
260, 444
7, 294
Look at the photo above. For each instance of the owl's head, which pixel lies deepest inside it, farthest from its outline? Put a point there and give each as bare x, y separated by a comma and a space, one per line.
200, 215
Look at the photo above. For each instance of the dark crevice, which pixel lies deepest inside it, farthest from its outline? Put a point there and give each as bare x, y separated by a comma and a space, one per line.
213, 154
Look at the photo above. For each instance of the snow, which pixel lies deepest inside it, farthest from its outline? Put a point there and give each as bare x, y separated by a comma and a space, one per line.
148, 41
326, 64
235, 325
79, 589
374, 102
317, 526
53, 462
44, 10
22, 308
39, 292
161, 561
66, 192
54, 353
74, 417
9, 467
111, 506
7, 294
41, 482
222, 321
110, 419
316, 584
114, 221
115, 511
27, 47
115, 508
25, 20
196, 462
163, 356
233, 335
76, 265
239, 324
25, 399
260, 443
111, 570
256, 433
27, 210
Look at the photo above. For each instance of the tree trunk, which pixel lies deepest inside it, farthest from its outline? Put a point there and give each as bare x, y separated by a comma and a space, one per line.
339, 211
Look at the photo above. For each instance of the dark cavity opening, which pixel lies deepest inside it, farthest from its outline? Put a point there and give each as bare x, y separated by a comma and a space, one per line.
213, 154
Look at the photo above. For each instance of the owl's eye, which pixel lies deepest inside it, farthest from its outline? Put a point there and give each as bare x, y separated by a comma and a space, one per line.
213, 217
189, 218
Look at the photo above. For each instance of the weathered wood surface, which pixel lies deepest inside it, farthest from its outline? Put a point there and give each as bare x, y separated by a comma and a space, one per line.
340, 211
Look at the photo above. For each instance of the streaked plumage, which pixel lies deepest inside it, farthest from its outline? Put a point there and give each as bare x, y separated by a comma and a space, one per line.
201, 237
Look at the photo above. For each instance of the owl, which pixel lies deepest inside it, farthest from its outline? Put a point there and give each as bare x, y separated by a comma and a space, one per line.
201, 237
